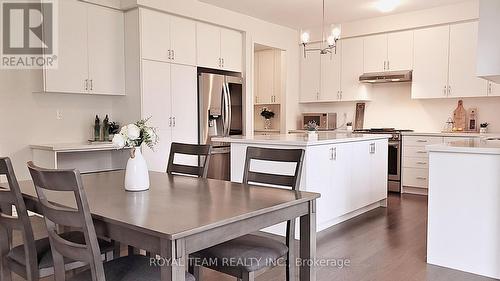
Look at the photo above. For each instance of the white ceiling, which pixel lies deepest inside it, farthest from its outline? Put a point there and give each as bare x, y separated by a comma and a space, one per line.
307, 13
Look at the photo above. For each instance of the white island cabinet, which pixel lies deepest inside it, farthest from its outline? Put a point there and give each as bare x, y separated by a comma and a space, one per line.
348, 170
464, 203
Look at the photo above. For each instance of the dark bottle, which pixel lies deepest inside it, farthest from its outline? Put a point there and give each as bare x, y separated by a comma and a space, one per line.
105, 128
97, 129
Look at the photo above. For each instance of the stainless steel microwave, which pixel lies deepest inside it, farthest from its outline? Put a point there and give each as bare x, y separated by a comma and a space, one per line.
325, 121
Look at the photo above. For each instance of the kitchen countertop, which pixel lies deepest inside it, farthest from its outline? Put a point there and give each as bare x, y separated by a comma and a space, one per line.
449, 134
476, 146
74, 147
301, 139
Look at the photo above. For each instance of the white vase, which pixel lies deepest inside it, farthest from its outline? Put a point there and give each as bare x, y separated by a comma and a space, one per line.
136, 174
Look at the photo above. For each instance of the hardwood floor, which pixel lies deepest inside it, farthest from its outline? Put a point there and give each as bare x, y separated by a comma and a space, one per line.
382, 245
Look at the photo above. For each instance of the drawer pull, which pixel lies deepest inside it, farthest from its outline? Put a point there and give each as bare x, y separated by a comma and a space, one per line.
422, 152
421, 178
421, 141
422, 163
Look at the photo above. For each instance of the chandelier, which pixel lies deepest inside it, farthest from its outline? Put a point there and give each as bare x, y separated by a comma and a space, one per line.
330, 40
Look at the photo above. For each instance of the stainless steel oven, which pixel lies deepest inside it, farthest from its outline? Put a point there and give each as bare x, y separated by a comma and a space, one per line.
394, 177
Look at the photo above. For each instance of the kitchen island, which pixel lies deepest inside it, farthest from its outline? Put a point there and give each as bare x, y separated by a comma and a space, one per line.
464, 206
349, 170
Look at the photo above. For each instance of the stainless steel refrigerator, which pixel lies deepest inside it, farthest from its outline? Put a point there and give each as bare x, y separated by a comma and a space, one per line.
220, 114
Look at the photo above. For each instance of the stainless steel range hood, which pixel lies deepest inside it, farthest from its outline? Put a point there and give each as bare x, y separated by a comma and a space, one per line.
386, 77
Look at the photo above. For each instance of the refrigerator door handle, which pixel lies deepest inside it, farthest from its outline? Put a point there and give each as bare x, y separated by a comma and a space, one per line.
227, 110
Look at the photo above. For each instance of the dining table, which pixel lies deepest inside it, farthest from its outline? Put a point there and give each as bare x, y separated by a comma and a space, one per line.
180, 215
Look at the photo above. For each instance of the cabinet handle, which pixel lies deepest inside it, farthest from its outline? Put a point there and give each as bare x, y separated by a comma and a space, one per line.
422, 152
170, 122
91, 84
385, 65
173, 121
445, 90
421, 163
449, 90
372, 148
222, 62
86, 84
317, 96
421, 178
173, 54
169, 54
489, 88
388, 65
333, 153
341, 95
421, 140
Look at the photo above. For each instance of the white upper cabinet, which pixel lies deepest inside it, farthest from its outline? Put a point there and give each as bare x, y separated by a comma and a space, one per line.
430, 59
463, 80
375, 53
183, 41
310, 75
91, 51
208, 45
231, 50
331, 66
400, 51
71, 75
388, 52
168, 38
106, 49
265, 77
155, 31
219, 48
352, 68
493, 89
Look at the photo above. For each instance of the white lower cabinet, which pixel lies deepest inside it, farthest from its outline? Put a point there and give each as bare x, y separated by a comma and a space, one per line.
415, 164
169, 97
348, 177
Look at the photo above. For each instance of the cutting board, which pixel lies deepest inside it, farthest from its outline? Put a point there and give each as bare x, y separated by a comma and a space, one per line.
460, 117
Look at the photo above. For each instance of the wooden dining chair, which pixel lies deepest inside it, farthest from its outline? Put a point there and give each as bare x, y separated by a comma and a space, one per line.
202, 151
33, 259
129, 268
261, 251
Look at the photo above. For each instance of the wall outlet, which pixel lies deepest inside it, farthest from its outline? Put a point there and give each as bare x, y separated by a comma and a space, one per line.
59, 115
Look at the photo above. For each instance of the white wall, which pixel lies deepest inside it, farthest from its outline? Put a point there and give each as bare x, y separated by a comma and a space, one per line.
392, 106
30, 118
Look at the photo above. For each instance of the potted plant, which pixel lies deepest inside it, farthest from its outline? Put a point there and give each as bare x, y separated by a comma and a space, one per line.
312, 130
132, 137
114, 128
268, 115
349, 127
483, 128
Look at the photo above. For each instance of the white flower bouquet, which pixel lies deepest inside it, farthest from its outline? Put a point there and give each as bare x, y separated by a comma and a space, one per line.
134, 135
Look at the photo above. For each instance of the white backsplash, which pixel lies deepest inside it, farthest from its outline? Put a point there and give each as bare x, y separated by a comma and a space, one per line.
392, 106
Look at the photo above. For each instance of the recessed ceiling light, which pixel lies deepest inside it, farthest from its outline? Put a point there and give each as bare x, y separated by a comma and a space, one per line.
386, 6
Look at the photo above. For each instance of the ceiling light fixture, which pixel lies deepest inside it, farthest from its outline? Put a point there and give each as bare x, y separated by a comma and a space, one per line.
386, 6
330, 40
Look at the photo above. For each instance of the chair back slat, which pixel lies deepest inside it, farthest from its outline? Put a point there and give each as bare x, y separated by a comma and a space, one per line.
63, 216
89, 252
271, 179
7, 198
14, 198
11, 222
202, 151
69, 249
